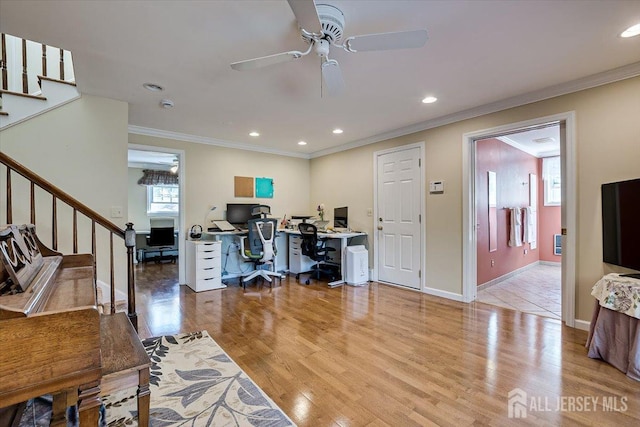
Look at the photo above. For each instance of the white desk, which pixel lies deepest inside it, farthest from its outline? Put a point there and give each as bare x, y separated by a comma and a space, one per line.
344, 242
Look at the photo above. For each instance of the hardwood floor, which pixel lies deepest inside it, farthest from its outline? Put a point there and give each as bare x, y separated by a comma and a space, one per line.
380, 355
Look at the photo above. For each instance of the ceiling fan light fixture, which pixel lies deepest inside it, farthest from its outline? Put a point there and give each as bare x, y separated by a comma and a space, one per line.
302, 143
632, 31
254, 133
338, 131
429, 100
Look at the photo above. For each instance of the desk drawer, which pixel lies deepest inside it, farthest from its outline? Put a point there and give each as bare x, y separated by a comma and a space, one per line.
206, 284
208, 272
213, 254
208, 247
207, 263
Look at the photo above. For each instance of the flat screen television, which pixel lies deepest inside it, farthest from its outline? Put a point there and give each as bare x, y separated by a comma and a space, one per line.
240, 213
341, 217
621, 224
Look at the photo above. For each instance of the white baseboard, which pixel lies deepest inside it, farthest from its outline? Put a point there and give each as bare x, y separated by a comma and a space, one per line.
106, 293
551, 263
582, 324
443, 294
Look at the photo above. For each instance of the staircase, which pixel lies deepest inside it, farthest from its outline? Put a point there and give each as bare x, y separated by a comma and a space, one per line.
36, 78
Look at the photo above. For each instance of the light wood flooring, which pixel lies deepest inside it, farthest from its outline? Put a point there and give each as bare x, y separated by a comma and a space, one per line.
385, 356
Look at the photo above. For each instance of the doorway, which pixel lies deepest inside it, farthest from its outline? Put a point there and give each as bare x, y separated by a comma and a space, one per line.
398, 207
518, 212
566, 122
167, 160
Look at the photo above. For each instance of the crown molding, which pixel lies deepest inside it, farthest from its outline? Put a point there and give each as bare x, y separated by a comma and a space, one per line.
158, 133
611, 76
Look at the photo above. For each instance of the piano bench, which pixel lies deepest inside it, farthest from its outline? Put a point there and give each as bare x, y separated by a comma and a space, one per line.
125, 363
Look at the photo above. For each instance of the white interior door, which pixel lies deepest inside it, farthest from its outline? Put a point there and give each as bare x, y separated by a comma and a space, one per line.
398, 217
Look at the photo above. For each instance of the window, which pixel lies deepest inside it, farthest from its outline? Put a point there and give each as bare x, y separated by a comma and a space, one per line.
162, 199
552, 181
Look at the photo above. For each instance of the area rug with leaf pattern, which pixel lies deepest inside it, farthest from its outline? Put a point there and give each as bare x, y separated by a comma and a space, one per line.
195, 383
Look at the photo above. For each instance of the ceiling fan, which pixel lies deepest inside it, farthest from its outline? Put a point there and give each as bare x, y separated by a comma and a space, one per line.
321, 26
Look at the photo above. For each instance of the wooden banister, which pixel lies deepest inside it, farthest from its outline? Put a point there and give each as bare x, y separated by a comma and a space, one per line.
128, 235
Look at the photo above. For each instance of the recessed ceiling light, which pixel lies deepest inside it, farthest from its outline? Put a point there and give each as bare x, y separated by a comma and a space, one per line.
153, 87
337, 131
429, 100
254, 133
166, 103
302, 143
631, 31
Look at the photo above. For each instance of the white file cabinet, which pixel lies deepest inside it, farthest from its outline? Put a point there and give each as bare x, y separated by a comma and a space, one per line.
204, 265
298, 263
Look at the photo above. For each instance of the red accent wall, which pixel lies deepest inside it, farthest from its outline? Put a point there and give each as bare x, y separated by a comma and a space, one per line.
549, 223
512, 167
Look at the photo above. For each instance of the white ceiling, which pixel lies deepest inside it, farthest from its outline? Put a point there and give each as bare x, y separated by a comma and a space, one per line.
479, 52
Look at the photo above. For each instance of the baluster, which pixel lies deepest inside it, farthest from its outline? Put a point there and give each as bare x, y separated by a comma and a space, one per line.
112, 279
25, 80
93, 251
54, 225
9, 202
61, 64
44, 60
3, 64
33, 203
75, 231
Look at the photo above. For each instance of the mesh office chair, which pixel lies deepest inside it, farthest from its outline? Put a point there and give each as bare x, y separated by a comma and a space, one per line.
161, 238
315, 249
262, 249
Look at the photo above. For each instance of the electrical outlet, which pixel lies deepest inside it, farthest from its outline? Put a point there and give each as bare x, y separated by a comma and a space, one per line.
526, 251
493, 262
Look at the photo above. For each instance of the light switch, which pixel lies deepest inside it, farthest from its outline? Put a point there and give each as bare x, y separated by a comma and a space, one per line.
369, 212
116, 211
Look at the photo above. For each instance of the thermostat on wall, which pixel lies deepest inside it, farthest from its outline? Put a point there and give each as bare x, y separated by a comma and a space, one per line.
436, 187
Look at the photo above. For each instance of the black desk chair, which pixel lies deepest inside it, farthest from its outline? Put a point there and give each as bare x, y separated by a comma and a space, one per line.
161, 238
317, 250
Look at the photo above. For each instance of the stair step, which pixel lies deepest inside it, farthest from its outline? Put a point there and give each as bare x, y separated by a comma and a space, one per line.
40, 78
26, 95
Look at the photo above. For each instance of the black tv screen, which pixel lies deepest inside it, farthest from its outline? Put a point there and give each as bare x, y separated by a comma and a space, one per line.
621, 223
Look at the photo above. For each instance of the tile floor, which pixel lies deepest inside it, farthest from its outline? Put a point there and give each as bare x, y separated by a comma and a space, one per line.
536, 290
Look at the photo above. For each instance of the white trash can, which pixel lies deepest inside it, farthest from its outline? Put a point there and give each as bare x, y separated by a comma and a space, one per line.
357, 273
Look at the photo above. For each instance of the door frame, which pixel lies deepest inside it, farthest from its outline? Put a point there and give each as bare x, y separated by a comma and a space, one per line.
182, 231
569, 210
376, 154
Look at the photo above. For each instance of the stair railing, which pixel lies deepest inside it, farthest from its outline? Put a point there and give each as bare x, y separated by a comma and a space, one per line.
128, 234
26, 68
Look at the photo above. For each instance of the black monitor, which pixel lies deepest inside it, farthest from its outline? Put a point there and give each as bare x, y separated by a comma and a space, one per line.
340, 217
240, 213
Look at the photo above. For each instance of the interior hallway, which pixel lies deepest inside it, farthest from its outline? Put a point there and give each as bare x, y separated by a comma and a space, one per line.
537, 290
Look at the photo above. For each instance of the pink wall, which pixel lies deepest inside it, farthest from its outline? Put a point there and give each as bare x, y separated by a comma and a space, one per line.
512, 168
549, 223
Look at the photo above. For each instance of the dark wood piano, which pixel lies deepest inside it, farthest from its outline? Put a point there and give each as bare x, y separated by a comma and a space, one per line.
49, 326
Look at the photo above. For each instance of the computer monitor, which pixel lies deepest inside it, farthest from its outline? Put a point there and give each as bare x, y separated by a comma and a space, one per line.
340, 218
240, 213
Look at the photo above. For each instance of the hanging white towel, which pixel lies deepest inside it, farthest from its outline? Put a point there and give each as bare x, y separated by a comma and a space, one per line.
515, 231
530, 226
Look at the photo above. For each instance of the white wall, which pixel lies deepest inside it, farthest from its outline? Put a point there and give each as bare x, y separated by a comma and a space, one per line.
607, 150
81, 148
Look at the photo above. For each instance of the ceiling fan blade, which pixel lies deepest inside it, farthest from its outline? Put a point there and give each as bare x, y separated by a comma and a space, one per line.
265, 61
306, 15
387, 41
332, 76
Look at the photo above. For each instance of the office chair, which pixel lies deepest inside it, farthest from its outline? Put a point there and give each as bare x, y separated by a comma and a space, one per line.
161, 238
315, 249
262, 248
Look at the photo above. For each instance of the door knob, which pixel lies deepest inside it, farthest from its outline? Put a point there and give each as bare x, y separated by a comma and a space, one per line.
379, 227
